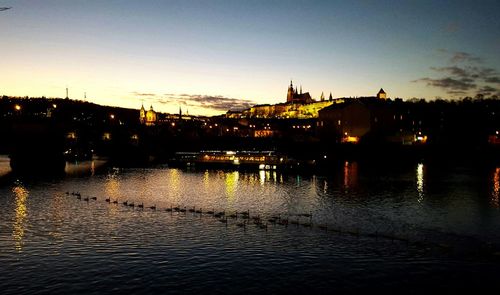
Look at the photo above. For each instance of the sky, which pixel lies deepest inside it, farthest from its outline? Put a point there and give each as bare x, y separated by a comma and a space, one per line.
210, 56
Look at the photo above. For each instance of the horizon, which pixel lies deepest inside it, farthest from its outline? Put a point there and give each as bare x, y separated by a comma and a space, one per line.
212, 57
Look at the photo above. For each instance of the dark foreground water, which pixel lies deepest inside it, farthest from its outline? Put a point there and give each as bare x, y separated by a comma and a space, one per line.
373, 229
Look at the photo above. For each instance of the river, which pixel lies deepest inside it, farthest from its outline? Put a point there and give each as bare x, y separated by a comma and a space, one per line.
412, 228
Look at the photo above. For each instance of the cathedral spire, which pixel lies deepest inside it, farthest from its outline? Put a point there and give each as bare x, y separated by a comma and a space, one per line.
300, 89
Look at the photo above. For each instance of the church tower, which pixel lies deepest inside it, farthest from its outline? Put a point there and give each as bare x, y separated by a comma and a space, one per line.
142, 115
291, 93
381, 94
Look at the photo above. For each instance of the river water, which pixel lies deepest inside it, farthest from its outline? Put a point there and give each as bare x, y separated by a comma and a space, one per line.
413, 228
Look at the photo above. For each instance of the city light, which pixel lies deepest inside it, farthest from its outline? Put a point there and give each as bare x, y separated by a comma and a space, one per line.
17, 107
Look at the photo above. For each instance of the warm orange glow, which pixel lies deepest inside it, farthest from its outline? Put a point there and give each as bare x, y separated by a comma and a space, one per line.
231, 183
350, 175
112, 116
19, 226
495, 193
350, 139
420, 138
17, 107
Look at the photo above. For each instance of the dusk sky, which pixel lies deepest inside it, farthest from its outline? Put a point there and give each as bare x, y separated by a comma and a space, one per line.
210, 56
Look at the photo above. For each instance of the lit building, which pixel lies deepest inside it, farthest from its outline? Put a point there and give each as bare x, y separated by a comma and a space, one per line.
148, 118
294, 96
381, 94
298, 105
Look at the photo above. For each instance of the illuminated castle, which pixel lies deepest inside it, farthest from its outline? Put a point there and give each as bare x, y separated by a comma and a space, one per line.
298, 105
293, 96
149, 118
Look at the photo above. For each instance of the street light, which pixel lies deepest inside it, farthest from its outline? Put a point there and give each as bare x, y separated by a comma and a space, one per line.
17, 107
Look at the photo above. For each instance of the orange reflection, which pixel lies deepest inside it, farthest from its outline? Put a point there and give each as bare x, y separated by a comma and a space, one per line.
231, 182
112, 187
495, 193
174, 184
19, 226
350, 175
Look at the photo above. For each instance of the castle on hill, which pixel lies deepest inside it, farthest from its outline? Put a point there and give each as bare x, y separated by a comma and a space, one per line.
298, 105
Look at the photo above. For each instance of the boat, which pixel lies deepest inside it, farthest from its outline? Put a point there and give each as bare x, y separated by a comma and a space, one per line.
263, 160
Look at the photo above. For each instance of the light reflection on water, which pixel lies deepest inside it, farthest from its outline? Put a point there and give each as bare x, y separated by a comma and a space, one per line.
420, 182
19, 226
350, 175
495, 192
93, 245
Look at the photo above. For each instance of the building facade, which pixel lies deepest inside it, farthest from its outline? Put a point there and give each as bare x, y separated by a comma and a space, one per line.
148, 118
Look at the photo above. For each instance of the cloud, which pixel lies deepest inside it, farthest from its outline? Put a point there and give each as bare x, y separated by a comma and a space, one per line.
214, 102
449, 84
5, 8
217, 102
457, 92
487, 91
495, 79
455, 71
464, 76
459, 57
143, 94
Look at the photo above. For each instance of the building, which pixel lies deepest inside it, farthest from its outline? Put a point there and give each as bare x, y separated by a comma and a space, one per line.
370, 119
148, 118
345, 122
381, 94
298, 105
294, 96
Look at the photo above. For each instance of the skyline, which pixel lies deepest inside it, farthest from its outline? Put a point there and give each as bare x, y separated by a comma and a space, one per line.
211, 57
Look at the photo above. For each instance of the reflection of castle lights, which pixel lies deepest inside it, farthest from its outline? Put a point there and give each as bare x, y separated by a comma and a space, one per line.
495, 193
231, 184
19, 222
420, 182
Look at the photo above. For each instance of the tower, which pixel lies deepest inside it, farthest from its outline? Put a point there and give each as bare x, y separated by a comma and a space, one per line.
67, 95
291, 93
142, 114
330, 98
381, 94
322, 97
